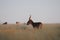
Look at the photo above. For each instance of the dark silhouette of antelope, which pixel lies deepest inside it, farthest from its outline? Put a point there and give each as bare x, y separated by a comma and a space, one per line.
5, 23
34, 24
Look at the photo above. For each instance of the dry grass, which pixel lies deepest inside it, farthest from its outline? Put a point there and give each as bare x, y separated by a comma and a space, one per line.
24, 32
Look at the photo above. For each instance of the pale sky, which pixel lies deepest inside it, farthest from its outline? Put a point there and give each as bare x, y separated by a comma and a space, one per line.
47, 11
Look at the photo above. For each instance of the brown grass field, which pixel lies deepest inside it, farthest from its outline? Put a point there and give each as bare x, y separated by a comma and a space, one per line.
24, 32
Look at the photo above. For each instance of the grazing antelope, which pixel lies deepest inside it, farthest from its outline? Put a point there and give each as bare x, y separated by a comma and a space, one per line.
17, 23
5, 23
